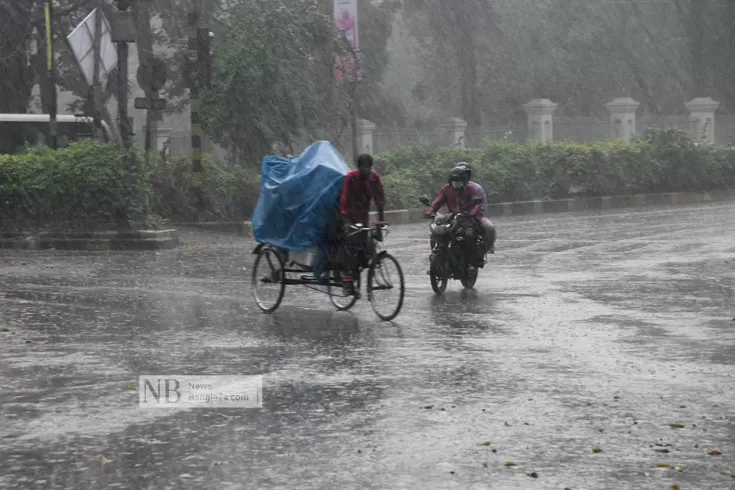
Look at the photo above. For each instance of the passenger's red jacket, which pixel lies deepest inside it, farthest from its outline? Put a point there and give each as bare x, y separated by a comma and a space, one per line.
457, 201
357, 193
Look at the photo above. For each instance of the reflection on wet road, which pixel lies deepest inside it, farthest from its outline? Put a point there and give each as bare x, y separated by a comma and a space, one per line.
586, 331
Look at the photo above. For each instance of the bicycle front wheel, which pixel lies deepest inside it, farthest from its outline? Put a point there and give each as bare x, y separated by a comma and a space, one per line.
386, 287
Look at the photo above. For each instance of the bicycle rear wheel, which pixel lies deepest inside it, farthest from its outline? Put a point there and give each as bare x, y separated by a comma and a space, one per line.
268, 279
384, 277
341, 301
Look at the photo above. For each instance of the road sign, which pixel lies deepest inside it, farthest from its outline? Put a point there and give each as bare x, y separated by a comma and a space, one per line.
152, 104
82, 43
152, 75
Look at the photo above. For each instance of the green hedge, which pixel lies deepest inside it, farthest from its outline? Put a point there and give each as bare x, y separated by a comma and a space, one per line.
660, 161
82, 184
228, 194
90, 183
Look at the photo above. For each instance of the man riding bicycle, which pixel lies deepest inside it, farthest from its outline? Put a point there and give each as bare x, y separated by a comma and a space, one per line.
359, 188
487, 225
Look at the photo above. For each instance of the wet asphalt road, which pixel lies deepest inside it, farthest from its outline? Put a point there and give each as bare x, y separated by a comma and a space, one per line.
586, 331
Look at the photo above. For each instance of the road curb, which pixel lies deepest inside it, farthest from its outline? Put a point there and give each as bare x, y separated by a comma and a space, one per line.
523, 208
166, 239
242, 228
92, 241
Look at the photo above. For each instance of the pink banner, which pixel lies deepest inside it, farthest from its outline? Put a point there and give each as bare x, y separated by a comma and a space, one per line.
345, 19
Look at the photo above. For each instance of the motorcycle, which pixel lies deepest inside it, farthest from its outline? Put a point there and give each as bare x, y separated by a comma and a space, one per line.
457, 248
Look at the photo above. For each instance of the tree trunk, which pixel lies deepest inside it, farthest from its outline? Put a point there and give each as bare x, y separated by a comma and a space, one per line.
466, 50
695, 31
15, 76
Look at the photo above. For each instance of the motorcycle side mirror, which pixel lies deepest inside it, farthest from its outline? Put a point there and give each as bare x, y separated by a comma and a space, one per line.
425, 201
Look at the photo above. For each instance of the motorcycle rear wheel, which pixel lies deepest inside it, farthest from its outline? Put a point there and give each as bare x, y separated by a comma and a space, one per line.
438, 274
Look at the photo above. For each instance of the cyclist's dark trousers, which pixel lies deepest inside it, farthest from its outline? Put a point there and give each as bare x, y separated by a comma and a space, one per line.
354, 253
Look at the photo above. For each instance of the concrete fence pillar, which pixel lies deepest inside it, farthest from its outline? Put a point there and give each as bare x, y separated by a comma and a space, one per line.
702, 110
365, 133
456, 128
540, 119
622, 118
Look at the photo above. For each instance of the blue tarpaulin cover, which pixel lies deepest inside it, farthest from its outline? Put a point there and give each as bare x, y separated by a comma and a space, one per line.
298, 197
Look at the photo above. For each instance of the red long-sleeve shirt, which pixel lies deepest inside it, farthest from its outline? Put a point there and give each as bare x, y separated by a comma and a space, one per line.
457, 200
357, 191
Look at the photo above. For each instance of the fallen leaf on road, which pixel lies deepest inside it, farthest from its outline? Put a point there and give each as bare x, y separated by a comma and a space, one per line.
714, 452
510, 463
484, 465
675, 486
4, 330
486, 443
103, 460
533, 474
662, 450
676, 426
131, 386
664, 465
597, 450
429, 407
682, 406
642, 473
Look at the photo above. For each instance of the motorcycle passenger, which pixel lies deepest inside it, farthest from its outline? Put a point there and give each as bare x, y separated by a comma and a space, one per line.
458, 196
359, 188
487, 225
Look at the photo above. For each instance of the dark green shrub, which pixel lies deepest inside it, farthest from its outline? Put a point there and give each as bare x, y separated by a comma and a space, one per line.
80, 186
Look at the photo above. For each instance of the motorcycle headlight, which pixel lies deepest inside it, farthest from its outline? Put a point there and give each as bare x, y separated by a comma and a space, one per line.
439, 229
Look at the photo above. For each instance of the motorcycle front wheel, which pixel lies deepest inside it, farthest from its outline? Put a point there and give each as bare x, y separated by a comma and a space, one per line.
470, 277
438, 273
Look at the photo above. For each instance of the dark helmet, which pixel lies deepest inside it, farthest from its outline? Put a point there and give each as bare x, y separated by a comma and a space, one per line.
467, 168
458, 174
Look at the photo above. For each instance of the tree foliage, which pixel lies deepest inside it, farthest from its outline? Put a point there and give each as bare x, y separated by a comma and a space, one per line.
579, 53
270, 77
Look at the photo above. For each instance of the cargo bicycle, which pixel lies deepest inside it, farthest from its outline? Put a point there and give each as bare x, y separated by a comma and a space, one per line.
280, 268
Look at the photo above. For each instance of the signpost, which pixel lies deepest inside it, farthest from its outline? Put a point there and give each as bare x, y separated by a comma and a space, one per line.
92, 45
346, 21
151, 77
123, 33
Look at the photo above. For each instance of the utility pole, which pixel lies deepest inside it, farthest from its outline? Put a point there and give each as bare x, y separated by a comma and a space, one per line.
51, 72
195, 83
96, 84
196, 128
122, 69
353, 120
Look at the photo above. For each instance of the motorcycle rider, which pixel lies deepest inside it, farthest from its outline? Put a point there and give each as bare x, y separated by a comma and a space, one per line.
458, 196
487, 225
